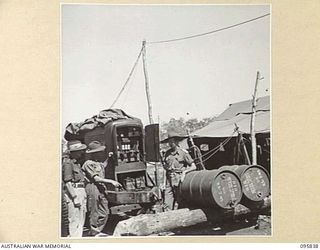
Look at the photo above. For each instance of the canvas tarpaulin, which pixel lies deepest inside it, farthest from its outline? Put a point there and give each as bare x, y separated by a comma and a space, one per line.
239, 114
244, 107
74, 130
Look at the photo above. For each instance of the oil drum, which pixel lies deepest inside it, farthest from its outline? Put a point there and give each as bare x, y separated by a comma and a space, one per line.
211, 188
255, 181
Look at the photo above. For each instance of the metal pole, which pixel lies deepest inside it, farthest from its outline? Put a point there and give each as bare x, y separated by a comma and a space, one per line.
146, 81
253, 119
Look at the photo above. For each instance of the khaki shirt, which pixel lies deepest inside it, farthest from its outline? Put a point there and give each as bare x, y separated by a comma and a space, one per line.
72, 171
92, 169
176, 161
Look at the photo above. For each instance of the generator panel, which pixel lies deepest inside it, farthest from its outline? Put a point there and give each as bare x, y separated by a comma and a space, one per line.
129, 145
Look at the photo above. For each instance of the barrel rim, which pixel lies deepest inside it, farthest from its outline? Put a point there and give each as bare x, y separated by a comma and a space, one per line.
240, 188
249, 197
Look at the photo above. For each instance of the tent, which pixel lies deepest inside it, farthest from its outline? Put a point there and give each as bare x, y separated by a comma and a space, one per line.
239, 114
219, 141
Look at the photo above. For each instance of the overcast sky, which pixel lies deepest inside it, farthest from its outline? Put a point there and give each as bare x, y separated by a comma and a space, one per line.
199, 76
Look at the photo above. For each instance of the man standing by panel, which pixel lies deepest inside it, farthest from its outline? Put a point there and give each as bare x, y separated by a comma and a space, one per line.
178, 163
94, 169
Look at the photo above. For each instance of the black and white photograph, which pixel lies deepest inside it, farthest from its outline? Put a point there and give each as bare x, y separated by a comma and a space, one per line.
165, 120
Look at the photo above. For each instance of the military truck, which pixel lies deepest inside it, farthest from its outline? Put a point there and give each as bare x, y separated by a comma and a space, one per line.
128, 148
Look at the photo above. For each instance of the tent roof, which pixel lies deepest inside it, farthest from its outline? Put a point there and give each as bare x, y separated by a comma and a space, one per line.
239, 114
244, 107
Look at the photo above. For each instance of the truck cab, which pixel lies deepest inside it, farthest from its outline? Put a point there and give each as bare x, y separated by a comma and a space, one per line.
126, 162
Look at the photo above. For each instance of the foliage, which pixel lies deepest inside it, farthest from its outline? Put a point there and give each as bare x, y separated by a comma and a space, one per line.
181, 126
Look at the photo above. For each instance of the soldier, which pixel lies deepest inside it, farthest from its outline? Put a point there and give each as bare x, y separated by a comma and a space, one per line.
75, 194
177, 164
94, 169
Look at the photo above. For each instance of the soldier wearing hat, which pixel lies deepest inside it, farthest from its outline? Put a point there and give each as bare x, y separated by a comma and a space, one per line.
94, 169
178, 163
75, 194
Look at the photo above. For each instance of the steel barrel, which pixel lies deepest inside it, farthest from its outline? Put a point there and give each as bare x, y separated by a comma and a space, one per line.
255, 181
211, 188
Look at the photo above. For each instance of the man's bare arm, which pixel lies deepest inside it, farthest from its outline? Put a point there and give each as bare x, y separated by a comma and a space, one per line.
103, 180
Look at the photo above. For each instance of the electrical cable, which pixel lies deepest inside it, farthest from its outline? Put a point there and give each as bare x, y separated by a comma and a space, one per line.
127, 81
210, 32
129, 86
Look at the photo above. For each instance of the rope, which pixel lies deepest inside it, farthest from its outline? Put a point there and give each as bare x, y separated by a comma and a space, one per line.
127, 81
129, 86
218, 146
210, 156
216, 149
210, 32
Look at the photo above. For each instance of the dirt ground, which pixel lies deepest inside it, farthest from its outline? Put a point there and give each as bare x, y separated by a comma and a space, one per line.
253, 226
260, 225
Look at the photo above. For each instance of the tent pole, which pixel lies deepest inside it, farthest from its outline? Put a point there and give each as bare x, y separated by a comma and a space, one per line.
245, 150
146, 81
247, 158
253, 119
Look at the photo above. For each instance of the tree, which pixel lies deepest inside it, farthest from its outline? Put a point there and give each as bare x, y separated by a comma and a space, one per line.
180, 126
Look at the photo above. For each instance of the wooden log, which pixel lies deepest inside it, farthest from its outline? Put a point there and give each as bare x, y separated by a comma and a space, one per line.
147, 224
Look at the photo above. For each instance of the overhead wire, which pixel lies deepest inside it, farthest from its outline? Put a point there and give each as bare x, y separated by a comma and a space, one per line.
129, 86
210, 32
178, 39
128, 79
